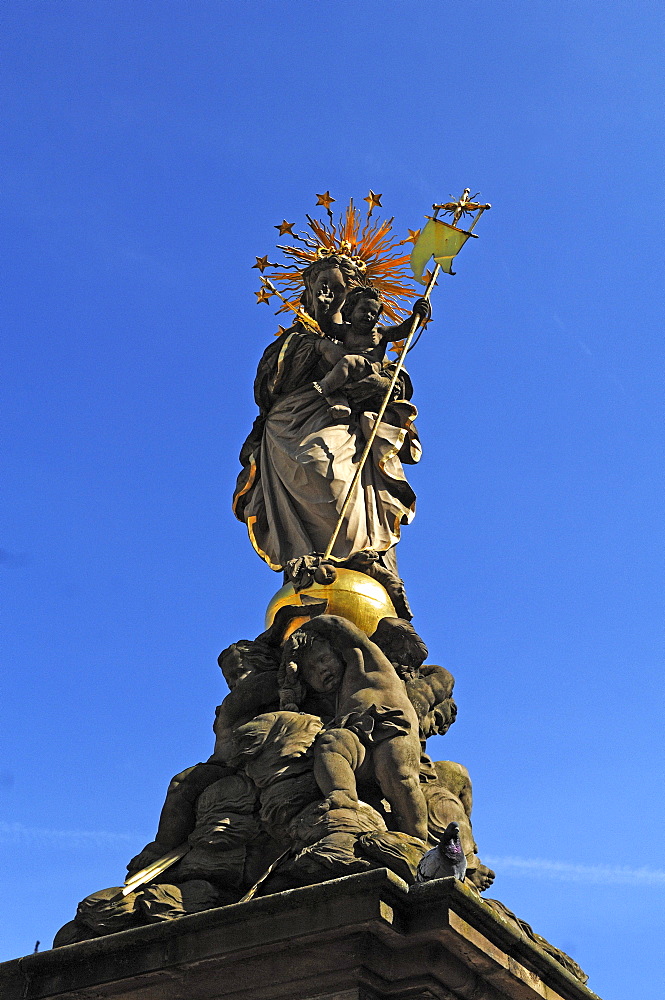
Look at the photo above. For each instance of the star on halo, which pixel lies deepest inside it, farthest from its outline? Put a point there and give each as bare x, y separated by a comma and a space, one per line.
397, 346
262, 263
373, 249
373, 200
263, 295
411, 238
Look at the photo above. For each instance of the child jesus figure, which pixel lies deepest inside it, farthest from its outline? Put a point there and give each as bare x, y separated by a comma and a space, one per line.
363, 345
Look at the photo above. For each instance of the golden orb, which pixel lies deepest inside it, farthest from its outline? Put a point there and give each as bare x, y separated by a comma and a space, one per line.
353, 595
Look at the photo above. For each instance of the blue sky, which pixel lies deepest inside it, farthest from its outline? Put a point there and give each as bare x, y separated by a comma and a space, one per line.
148, 150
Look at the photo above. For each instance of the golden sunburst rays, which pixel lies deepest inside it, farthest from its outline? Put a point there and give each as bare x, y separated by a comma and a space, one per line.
371, 246
266, 293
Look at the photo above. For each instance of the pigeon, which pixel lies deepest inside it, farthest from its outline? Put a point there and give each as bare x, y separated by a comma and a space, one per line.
444, 860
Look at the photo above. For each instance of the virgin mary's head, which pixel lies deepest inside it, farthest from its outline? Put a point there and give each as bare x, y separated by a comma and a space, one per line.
326, 283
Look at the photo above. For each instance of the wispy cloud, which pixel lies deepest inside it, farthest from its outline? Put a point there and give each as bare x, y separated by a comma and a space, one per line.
16, 833
561, 871
540, 868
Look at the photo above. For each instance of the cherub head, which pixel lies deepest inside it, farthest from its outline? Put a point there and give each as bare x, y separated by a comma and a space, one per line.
431, 695
309, 661
322, 668
245, 657
315, 657
402, 645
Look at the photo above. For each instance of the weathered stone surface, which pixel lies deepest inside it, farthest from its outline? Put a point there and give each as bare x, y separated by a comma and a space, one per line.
363, 937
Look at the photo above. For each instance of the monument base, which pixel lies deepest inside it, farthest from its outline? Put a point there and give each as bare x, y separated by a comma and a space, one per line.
363, 937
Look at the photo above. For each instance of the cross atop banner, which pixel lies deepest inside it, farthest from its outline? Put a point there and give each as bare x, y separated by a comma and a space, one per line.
444, 240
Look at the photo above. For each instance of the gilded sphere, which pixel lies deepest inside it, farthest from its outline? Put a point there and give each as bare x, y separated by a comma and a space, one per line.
353, 595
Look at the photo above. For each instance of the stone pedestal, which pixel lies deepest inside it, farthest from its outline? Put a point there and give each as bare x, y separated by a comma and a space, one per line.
364, 937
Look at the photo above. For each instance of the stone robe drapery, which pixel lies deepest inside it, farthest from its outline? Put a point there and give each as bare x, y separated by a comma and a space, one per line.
297, 464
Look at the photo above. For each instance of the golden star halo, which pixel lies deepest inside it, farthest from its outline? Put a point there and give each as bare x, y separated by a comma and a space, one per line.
371, 246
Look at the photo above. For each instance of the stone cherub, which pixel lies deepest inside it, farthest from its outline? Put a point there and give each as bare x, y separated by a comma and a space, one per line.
428, 686
337, 783
375, 728
363, 346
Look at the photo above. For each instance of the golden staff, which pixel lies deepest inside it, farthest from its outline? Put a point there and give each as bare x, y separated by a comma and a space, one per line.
393, 382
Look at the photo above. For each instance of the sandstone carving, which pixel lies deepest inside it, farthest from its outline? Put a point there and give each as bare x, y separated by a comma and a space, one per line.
319, 767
